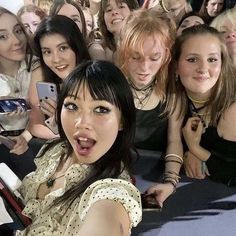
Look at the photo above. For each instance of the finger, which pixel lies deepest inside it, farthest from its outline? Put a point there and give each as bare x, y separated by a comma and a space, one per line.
146, 4
199, 128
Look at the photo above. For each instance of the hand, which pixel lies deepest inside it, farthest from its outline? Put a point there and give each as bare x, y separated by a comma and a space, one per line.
161, 192
192, 132
21, 145
18, 112
48, 107
193, 166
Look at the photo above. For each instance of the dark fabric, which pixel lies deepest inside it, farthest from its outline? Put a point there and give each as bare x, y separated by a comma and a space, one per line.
23, 164
151, 129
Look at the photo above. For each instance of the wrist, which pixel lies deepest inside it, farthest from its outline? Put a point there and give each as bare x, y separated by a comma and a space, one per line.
27, 135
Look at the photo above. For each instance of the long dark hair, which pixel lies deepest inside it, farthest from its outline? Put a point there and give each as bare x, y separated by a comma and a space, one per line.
104, 82
57, 5
66, 27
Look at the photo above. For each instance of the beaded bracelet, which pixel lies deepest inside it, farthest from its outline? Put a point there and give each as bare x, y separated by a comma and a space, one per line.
174, 155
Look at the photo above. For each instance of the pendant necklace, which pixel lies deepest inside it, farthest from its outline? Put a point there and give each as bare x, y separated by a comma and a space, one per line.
142, 95
50, 181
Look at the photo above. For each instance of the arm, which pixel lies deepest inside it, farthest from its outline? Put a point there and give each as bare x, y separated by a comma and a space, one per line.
107, 218
173, 163
36, 120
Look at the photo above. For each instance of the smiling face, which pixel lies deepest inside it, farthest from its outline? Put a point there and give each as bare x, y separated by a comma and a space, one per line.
199, 65
115, 14
30, 21
142, 68
214, 7
71, 12
57, 54
188, 22
91, 126
228, 29
12, 39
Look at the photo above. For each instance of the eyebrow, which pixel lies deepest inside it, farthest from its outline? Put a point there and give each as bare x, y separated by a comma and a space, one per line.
60, 44
210, 54
16, 25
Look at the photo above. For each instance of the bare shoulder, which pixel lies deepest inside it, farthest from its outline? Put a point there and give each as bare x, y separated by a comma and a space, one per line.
37, 74
227, 123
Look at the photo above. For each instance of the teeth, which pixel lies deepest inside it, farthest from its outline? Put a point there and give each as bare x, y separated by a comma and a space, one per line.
117, 21
83, 139
60, 67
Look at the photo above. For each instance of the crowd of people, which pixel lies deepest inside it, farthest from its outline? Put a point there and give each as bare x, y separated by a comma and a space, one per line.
157, 75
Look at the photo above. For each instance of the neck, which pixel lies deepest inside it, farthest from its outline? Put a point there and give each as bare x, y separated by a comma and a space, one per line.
198, 99
9, 67
146, 87
234, 59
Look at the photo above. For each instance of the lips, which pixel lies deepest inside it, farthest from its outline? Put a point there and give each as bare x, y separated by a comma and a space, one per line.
201, 78
118, 20
84, 145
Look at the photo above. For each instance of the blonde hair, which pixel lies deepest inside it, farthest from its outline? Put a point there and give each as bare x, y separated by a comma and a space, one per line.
141, 24
219, 21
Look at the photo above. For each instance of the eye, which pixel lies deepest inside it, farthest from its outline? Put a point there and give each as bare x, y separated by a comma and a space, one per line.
102, 110
63, 48
122, 5
192, 59
70, 106
136, 57
46, 52
3, 36
212, 59
76, 20
108, 9
19, 30
156, 58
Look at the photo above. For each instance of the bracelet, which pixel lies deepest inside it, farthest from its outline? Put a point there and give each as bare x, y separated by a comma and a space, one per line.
173, 184
27, 135
174, 155
179, 162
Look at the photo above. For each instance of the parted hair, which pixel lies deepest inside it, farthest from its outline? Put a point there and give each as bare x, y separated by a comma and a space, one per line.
141, 24
108, 37
223, 92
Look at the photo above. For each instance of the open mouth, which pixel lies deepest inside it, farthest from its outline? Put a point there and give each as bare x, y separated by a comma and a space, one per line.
85, 145
115, 21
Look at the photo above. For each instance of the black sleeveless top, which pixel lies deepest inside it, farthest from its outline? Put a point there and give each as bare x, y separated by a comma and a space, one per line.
151, 129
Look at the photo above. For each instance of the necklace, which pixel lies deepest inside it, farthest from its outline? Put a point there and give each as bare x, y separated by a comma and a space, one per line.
142, 95
198, 101
50, 181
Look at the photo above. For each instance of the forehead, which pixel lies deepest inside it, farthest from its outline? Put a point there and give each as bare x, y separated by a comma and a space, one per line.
174, 3
52, 40
68, 9
215, 1
193, 19
197, 44
7, 21
29, 16
114, 2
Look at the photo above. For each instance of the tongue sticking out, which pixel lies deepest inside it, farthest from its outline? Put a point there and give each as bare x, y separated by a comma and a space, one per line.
86, 143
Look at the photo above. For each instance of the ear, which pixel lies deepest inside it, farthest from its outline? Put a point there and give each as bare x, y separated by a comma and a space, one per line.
121, 126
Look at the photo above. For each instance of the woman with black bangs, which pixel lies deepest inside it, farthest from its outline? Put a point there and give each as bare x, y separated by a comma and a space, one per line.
82, 178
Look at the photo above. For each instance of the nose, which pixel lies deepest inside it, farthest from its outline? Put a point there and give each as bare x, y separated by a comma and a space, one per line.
114, 11
144, 65
83, 121
15, 39
231, 33
202, 67
55, 57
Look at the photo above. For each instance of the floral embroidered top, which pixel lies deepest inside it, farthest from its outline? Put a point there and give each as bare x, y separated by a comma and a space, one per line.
62, 219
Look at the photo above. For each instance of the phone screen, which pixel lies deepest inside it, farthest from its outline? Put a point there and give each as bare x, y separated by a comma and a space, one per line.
10, 105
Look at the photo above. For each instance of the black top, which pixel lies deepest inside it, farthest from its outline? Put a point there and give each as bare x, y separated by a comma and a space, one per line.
151, 129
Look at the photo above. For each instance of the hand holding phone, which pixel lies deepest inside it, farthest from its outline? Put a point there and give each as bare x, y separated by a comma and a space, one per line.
13, 105
149, 202
46, 90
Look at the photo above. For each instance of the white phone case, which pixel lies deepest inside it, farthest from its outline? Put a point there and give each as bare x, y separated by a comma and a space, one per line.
46, 90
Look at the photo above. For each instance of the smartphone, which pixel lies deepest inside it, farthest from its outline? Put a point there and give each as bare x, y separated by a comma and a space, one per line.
149, 202
11, 104
46, 90
9, 143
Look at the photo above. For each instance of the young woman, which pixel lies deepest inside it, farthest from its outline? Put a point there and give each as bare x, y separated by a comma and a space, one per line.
31, 16
206, 86
60, 47
73, 11
82, 184
144, 54
210, 9
174, 8
226, 24
188, 20
111, 18
16, 72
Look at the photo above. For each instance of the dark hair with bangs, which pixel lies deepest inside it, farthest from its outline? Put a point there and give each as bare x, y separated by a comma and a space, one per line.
67, 28
104, 82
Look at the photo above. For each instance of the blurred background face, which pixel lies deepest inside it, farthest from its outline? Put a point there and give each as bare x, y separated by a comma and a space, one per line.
30, 21
188, 22
12, 39
71, 12
214, 7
